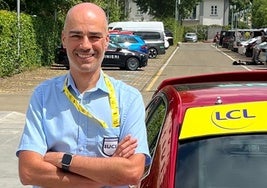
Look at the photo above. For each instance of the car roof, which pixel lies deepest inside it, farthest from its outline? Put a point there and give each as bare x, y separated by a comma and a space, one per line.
213, 90
257, 75
229, 87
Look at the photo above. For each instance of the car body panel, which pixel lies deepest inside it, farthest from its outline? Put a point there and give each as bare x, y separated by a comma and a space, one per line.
183, 105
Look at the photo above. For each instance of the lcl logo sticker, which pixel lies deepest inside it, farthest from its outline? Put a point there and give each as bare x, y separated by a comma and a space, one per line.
233, 118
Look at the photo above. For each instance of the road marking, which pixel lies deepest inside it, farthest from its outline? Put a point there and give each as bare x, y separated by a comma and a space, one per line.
245, 67
148, 88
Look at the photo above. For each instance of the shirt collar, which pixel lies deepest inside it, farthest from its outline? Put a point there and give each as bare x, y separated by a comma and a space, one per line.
100, 85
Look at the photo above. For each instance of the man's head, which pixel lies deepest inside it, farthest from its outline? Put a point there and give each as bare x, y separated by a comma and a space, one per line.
85, 37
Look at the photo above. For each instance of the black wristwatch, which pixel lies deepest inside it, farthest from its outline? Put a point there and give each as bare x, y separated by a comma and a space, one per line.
66, 161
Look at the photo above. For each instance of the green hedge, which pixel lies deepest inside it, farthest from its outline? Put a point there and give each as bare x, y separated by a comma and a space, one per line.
37, 39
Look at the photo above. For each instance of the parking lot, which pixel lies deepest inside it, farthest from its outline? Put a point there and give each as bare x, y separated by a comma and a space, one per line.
15, 91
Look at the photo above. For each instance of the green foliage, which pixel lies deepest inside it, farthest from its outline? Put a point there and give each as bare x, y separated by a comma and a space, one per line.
162, 9
8, 44
26, 45
241, 4
41, 23
175, 28
259, 16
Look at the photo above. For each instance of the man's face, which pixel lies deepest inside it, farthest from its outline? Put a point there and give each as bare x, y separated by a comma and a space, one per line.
85, 39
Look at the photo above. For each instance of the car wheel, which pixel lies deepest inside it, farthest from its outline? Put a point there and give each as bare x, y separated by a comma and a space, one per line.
132, 63
152, 53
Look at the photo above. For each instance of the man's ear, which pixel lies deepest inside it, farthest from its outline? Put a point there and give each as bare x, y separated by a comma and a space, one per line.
107, 41
63, 37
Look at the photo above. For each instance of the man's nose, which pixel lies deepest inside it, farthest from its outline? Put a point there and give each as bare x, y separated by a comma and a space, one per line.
86, 43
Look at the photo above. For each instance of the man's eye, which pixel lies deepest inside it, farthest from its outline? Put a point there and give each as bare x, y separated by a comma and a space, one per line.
76, 36
95, 38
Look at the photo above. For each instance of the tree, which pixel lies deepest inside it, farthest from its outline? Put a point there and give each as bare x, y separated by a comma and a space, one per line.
162, 9
241, 4
259, 16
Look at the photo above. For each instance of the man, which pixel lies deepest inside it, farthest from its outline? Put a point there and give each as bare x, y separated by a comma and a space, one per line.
217, 39
258, 45
84, 129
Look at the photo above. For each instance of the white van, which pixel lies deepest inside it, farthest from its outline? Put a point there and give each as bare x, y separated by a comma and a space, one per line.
137, 26
148, 31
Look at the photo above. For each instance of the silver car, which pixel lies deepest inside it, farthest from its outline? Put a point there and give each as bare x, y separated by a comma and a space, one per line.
190, 37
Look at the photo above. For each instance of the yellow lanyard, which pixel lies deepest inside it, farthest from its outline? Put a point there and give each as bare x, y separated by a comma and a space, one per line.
112, 101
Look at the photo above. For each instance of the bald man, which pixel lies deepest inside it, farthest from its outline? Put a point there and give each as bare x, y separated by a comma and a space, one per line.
84, 129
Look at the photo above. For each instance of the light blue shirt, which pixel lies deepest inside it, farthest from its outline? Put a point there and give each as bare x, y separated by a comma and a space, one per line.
54, 124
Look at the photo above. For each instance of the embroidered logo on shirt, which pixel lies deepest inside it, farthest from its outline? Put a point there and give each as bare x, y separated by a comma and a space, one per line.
109, 145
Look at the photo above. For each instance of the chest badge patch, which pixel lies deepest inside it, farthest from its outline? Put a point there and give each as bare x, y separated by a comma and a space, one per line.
109, 145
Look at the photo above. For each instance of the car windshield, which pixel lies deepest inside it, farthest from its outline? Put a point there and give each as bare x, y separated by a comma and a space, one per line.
191, 34
113, 46
237, 161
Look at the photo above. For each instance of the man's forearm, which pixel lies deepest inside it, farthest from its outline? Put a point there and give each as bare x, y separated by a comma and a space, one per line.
112, 171
40, 173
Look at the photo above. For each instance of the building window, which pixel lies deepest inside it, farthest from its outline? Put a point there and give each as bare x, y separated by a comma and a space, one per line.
214, 10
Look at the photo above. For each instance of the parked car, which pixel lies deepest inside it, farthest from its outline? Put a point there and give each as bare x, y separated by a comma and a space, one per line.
242, 48
241, 35
129, 41
169, 36
115, 56
263, 53
155, 40
208, 131
227, 38
190, 37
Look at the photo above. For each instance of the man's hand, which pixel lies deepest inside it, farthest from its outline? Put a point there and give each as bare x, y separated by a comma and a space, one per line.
126, 147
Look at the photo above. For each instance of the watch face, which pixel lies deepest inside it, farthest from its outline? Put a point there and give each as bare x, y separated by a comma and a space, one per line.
66, 159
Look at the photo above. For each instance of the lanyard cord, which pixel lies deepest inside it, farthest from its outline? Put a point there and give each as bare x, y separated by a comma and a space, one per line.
112, 101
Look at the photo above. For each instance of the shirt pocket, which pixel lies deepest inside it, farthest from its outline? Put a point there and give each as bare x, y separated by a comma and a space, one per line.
108, 140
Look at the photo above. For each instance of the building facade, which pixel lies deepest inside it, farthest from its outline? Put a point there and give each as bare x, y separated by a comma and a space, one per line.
207, 12
210, 12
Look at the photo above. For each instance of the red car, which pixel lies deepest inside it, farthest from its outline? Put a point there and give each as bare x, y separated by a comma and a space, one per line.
208, 131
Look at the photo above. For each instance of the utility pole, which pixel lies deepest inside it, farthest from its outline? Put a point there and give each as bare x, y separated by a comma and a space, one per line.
18, 20
177, 3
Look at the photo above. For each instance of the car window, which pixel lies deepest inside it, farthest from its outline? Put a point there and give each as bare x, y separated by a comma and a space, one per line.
148, 35
122, 39
131, 39
229, 161
155, 117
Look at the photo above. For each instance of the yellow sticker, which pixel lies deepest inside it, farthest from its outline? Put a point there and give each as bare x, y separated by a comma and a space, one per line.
225, 119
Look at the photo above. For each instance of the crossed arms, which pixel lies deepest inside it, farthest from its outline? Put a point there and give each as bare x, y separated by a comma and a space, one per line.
123, 168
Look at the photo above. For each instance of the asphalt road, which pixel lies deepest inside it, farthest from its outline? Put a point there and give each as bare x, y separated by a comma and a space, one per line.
185, 60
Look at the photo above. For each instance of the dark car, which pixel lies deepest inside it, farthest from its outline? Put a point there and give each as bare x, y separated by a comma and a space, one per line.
115, 56
169, 36
227, 38
208, 131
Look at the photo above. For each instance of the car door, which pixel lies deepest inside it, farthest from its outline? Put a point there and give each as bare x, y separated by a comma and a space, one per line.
160, 133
